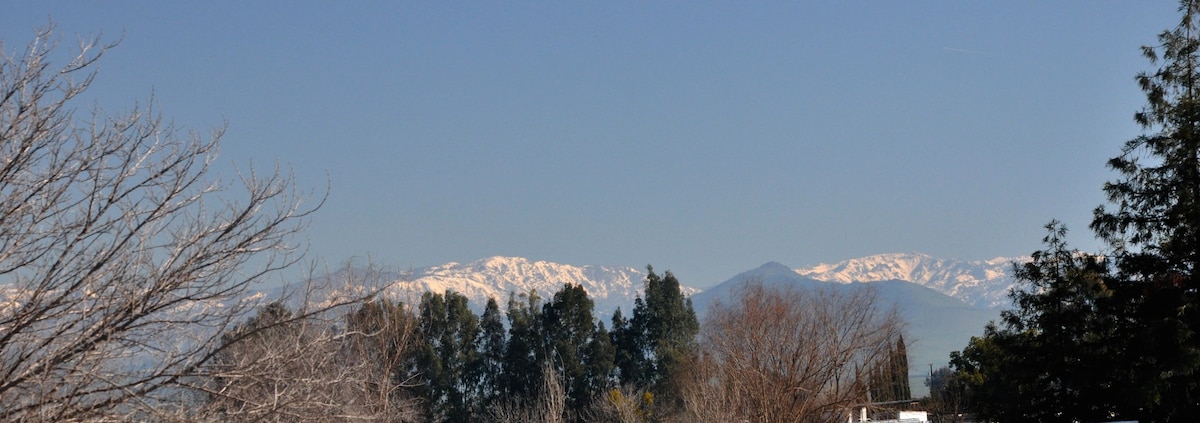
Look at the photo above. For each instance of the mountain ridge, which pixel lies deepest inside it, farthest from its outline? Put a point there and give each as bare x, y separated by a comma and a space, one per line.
980, 283
497, 276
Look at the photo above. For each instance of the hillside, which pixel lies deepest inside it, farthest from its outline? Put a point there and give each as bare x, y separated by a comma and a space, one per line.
936, 323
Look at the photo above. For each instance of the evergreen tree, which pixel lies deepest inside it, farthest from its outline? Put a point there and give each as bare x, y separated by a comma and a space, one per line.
1114, 335
521, 375
491, 348
659, 342
449, 330
626, 352
601, 356
900, 370
572, 345
271, 321
1059, 353
1154, 228
889, 380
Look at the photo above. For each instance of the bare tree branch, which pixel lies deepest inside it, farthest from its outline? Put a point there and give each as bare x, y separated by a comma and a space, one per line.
122, 261
778, 354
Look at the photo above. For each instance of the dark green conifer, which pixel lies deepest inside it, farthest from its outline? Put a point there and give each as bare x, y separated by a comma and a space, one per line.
660, 339
571, 337
524, 353
1114, 335
449, 330
489, 366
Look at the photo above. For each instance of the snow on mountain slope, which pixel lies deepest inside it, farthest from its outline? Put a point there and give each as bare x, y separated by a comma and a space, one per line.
982, 283
495, 277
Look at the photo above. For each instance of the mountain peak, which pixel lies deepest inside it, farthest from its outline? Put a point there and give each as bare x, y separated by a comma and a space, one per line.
772, 266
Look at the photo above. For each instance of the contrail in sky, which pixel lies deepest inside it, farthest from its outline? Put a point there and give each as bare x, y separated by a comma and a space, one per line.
959, 50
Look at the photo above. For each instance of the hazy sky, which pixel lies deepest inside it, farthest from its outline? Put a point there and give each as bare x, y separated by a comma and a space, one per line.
704, 138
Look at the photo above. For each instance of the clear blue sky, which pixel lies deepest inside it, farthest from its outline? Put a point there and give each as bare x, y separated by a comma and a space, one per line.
704, 138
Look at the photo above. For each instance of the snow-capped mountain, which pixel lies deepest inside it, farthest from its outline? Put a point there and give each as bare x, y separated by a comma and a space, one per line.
495, 277
981, 283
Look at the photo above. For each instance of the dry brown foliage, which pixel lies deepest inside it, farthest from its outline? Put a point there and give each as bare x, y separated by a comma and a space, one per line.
775, 354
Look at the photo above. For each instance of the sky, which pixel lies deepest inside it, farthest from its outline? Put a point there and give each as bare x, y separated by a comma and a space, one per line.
705, 138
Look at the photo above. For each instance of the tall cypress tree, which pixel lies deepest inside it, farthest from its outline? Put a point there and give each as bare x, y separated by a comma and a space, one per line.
889, 379
899, 370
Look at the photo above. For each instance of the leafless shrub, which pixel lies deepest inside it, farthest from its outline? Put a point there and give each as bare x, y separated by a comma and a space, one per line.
299, 366
779, 354
621, 405
549, 406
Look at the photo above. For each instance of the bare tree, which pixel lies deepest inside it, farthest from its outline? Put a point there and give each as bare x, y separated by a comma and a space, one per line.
288, 366
122, 262
707, 398
383, 336
779, 354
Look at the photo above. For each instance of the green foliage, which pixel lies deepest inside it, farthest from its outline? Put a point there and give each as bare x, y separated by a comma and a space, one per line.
628, 356
491, 347
574, 346
470, 366
1059, 352
271, 321
899, 373
449, 330
1154, 230
1096, 338
601, 355
659, 342
523, 355
889, 380
269, 318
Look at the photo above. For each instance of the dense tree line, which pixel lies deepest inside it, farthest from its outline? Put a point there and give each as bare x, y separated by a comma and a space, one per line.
439, 361
471, 368
1113, 335
773, 354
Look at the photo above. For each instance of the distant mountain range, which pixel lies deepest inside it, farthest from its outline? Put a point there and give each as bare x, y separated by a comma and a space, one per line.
495, 277
981, 283
944, 301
